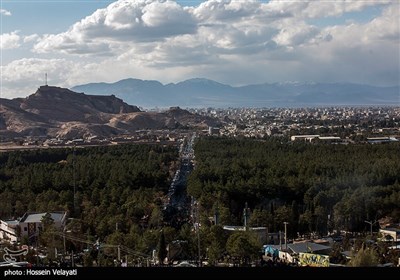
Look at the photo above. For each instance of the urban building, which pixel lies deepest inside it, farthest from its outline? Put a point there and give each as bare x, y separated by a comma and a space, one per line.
29, 225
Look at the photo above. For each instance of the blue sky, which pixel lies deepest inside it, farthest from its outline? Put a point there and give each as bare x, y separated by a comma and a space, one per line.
234, 42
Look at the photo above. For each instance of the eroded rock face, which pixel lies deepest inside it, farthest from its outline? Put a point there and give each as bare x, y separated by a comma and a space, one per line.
61, 104
54, 111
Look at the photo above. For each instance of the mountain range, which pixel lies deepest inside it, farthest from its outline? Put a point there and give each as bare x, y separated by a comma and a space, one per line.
200, 92
59, 112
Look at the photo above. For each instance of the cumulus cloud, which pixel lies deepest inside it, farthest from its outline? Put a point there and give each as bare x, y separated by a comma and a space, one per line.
318, 9
30, 72
220, 26
5, 12
357, 52
226, 11
296, 34
10, 40
126, 21
386, 27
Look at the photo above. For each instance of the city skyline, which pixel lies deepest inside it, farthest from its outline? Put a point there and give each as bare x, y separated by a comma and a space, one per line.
233, 42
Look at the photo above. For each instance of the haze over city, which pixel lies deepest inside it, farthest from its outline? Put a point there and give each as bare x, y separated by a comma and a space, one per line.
232, 42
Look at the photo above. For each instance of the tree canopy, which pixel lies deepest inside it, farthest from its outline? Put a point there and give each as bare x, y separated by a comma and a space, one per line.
314, 187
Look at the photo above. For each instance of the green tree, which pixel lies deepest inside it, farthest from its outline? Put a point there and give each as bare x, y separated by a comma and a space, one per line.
155, 217
365, 257
336, 255
243, 247
188, 235
87, 260
216, 243
260, 218
48, 235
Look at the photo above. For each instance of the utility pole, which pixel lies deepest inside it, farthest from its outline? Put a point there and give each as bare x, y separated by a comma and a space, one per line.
74, 176
118, 247
246, 215
371, 224
119, 254
198, 233
98, 254
64, 243
216, 215
285, 223
37, 247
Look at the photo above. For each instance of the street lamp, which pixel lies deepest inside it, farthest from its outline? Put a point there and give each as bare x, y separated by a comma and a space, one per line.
371, 224
64, 241
66, 230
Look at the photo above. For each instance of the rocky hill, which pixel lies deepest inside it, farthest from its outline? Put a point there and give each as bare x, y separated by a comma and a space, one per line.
59, 112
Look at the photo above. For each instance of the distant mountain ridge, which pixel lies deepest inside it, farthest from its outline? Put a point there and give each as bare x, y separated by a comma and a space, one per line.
60, 112
199, 92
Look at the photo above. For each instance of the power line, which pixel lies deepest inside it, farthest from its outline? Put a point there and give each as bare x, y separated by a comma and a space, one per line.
103, 245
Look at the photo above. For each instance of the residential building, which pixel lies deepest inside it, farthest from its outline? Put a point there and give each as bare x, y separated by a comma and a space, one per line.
29, 225
390, 234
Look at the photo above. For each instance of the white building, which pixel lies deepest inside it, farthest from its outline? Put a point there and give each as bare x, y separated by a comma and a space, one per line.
29, 225
9, 231
392, 234
308, 138
213, 130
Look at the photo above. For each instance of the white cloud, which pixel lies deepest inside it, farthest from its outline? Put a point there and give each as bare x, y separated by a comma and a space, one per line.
121, 21
362, 53
226, 11
220, 26
386, 27
296, 34
319, 9
10, 40
31, 38
383, 30
68, 43
5, 12
30, 72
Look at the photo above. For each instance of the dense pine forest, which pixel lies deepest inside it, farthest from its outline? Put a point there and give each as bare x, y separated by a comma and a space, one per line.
120, 192
314, 187
115, 186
